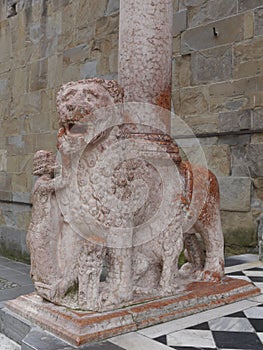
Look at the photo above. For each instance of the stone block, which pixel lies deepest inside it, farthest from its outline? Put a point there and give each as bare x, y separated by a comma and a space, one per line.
230, 30
4, 89
38, 72
14, 326
248, 69
176, 44
201, 124
250, 50
179, 22
181, 70
239, 162
234, 95
193, 100
259, 21
212, 65
3, 159
234, 140
257, 118
70, 73
249, 25
90, 10
5, 182
22, 197
113, 61
217, 158
244, 5
239, 229
76, 54
235, 121
106, 26
257, 138
88, 70
19, 81
235, 193
209, 11
46, 141
11, 244
255, 159
113, 6
5, 41
20, 183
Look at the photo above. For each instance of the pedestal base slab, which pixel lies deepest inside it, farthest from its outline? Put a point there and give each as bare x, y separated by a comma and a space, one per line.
79, 327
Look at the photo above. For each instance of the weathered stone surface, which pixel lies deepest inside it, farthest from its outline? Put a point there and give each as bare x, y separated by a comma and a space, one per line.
38, 75
3, 160
212, 65
248, 51
234, 95
257, 118
217, 158
113, 6
181, 70
255, 159
249, 25
200, 124
259, 21
235, 193
201, 38
239, 229
180, 22
202, 12
244, 5
193, 100
235, 121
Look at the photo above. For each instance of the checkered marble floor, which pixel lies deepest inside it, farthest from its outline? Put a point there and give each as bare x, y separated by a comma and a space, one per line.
236, 326
238, 330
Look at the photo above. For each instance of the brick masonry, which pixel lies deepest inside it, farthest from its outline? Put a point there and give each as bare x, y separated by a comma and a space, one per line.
217, 91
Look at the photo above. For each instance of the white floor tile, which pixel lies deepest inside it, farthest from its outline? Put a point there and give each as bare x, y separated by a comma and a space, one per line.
135, 341
189, 337
241, 278
189, 321
7, 344
231, 324
243, 266
253, 273
260, 335
257, 299
254, 312
259, 285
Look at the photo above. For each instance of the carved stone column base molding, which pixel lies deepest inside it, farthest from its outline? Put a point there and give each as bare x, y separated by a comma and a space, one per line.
77, 327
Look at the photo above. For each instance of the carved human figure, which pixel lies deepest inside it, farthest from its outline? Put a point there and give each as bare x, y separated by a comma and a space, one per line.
45, 227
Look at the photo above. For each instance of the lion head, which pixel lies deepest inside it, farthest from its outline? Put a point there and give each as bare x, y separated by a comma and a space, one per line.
77, 100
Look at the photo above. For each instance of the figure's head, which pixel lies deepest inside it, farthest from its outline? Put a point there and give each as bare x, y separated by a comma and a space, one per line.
76, 100
43, 163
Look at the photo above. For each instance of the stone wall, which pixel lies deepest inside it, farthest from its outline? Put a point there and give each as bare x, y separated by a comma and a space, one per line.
43, 43
217, 90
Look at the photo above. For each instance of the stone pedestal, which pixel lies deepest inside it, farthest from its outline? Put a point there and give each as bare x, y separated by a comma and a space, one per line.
77, 327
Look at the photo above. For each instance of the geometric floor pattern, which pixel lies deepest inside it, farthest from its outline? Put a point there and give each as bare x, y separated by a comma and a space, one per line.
241, 330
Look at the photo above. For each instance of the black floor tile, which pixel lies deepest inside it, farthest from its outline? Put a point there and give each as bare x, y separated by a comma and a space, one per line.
202, 326
162, 339
237, 340
190, 348
237, 314
236, 273
256, 278
257, 323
